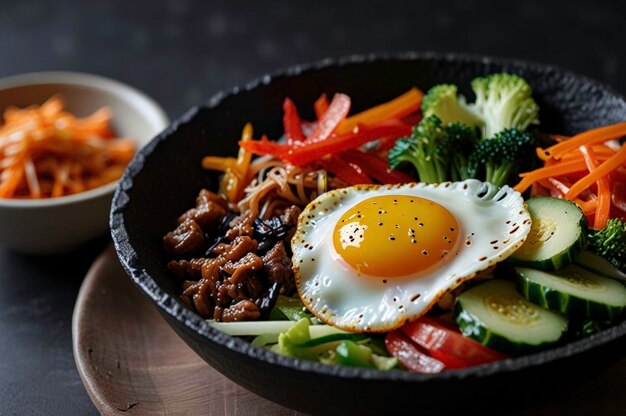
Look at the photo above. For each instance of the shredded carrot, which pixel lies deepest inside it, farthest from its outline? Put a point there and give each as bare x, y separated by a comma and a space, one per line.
555, 186
587, 169
218, 163
594, 136
588, 207
602, 153
546, 172
235, 170
602, 170
46, 151
604, 189
399, 107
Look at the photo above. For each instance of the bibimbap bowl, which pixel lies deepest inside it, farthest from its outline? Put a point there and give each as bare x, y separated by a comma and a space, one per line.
164, 179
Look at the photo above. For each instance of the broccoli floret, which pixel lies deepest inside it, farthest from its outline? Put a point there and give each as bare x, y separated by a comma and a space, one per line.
444, 102
423, 151
610, 243
504, 101
508, 152
459, 144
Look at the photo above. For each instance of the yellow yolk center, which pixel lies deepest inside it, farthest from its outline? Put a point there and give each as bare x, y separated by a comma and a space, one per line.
395, 235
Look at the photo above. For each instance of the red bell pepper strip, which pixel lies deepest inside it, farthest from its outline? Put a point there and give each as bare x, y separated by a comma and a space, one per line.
446, 344
386, 143
337, 111
309, 152
413, 119
412, 357
302, 153
350, 174
320, 106
291, 122
375, 167
264, 146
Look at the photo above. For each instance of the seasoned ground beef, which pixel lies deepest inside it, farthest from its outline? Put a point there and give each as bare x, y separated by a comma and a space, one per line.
187, 238
209, 209
233, 266
278, 267
240, 226
241, 311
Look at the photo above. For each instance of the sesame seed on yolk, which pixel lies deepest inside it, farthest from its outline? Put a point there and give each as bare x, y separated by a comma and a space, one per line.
395, 235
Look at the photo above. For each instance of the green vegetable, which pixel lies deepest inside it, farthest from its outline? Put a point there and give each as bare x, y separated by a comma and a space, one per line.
422, 150
384, 363
557, 235
610, 243
352, 354
459, 144
438, 153
297, 334
332, 348
290, 308
313, 342
574, 291
444, 102
264, 340
600, 265
496, 315
446, 144
509, 152
251, 328
504, 101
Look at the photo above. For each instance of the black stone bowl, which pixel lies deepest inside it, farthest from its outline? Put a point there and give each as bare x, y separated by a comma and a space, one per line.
165, 177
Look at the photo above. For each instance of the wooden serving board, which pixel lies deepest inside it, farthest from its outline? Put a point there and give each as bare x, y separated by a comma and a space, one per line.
132, 362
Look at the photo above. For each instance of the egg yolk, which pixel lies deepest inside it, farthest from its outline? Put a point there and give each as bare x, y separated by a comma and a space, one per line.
395, 235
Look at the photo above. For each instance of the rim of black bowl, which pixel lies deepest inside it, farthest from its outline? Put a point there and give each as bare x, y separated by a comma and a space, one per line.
176, 309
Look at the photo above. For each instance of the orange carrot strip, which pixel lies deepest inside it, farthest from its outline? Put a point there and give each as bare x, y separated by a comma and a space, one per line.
235, 170
31, 178
588, 207
52, 106
45, 151
57, 187
602, 156
602, 170
598, 149
218, 163
604, 190
244, 158
399, 107
13, 178
560, 169
594, 136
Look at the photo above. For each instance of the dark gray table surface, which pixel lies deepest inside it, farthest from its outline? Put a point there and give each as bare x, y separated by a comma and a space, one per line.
181, 52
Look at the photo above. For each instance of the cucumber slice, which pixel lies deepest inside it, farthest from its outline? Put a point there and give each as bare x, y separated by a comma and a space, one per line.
496, 315
574, 291
599, 265
558, 233
289, 308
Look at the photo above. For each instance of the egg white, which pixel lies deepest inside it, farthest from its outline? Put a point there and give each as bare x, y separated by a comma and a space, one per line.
336, 294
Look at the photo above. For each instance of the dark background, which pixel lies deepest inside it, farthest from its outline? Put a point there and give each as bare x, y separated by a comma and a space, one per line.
181, 52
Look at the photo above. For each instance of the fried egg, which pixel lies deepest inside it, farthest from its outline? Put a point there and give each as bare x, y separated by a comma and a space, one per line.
370, 258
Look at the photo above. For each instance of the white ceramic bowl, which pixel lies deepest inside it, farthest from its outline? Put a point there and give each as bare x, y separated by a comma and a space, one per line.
57, 225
